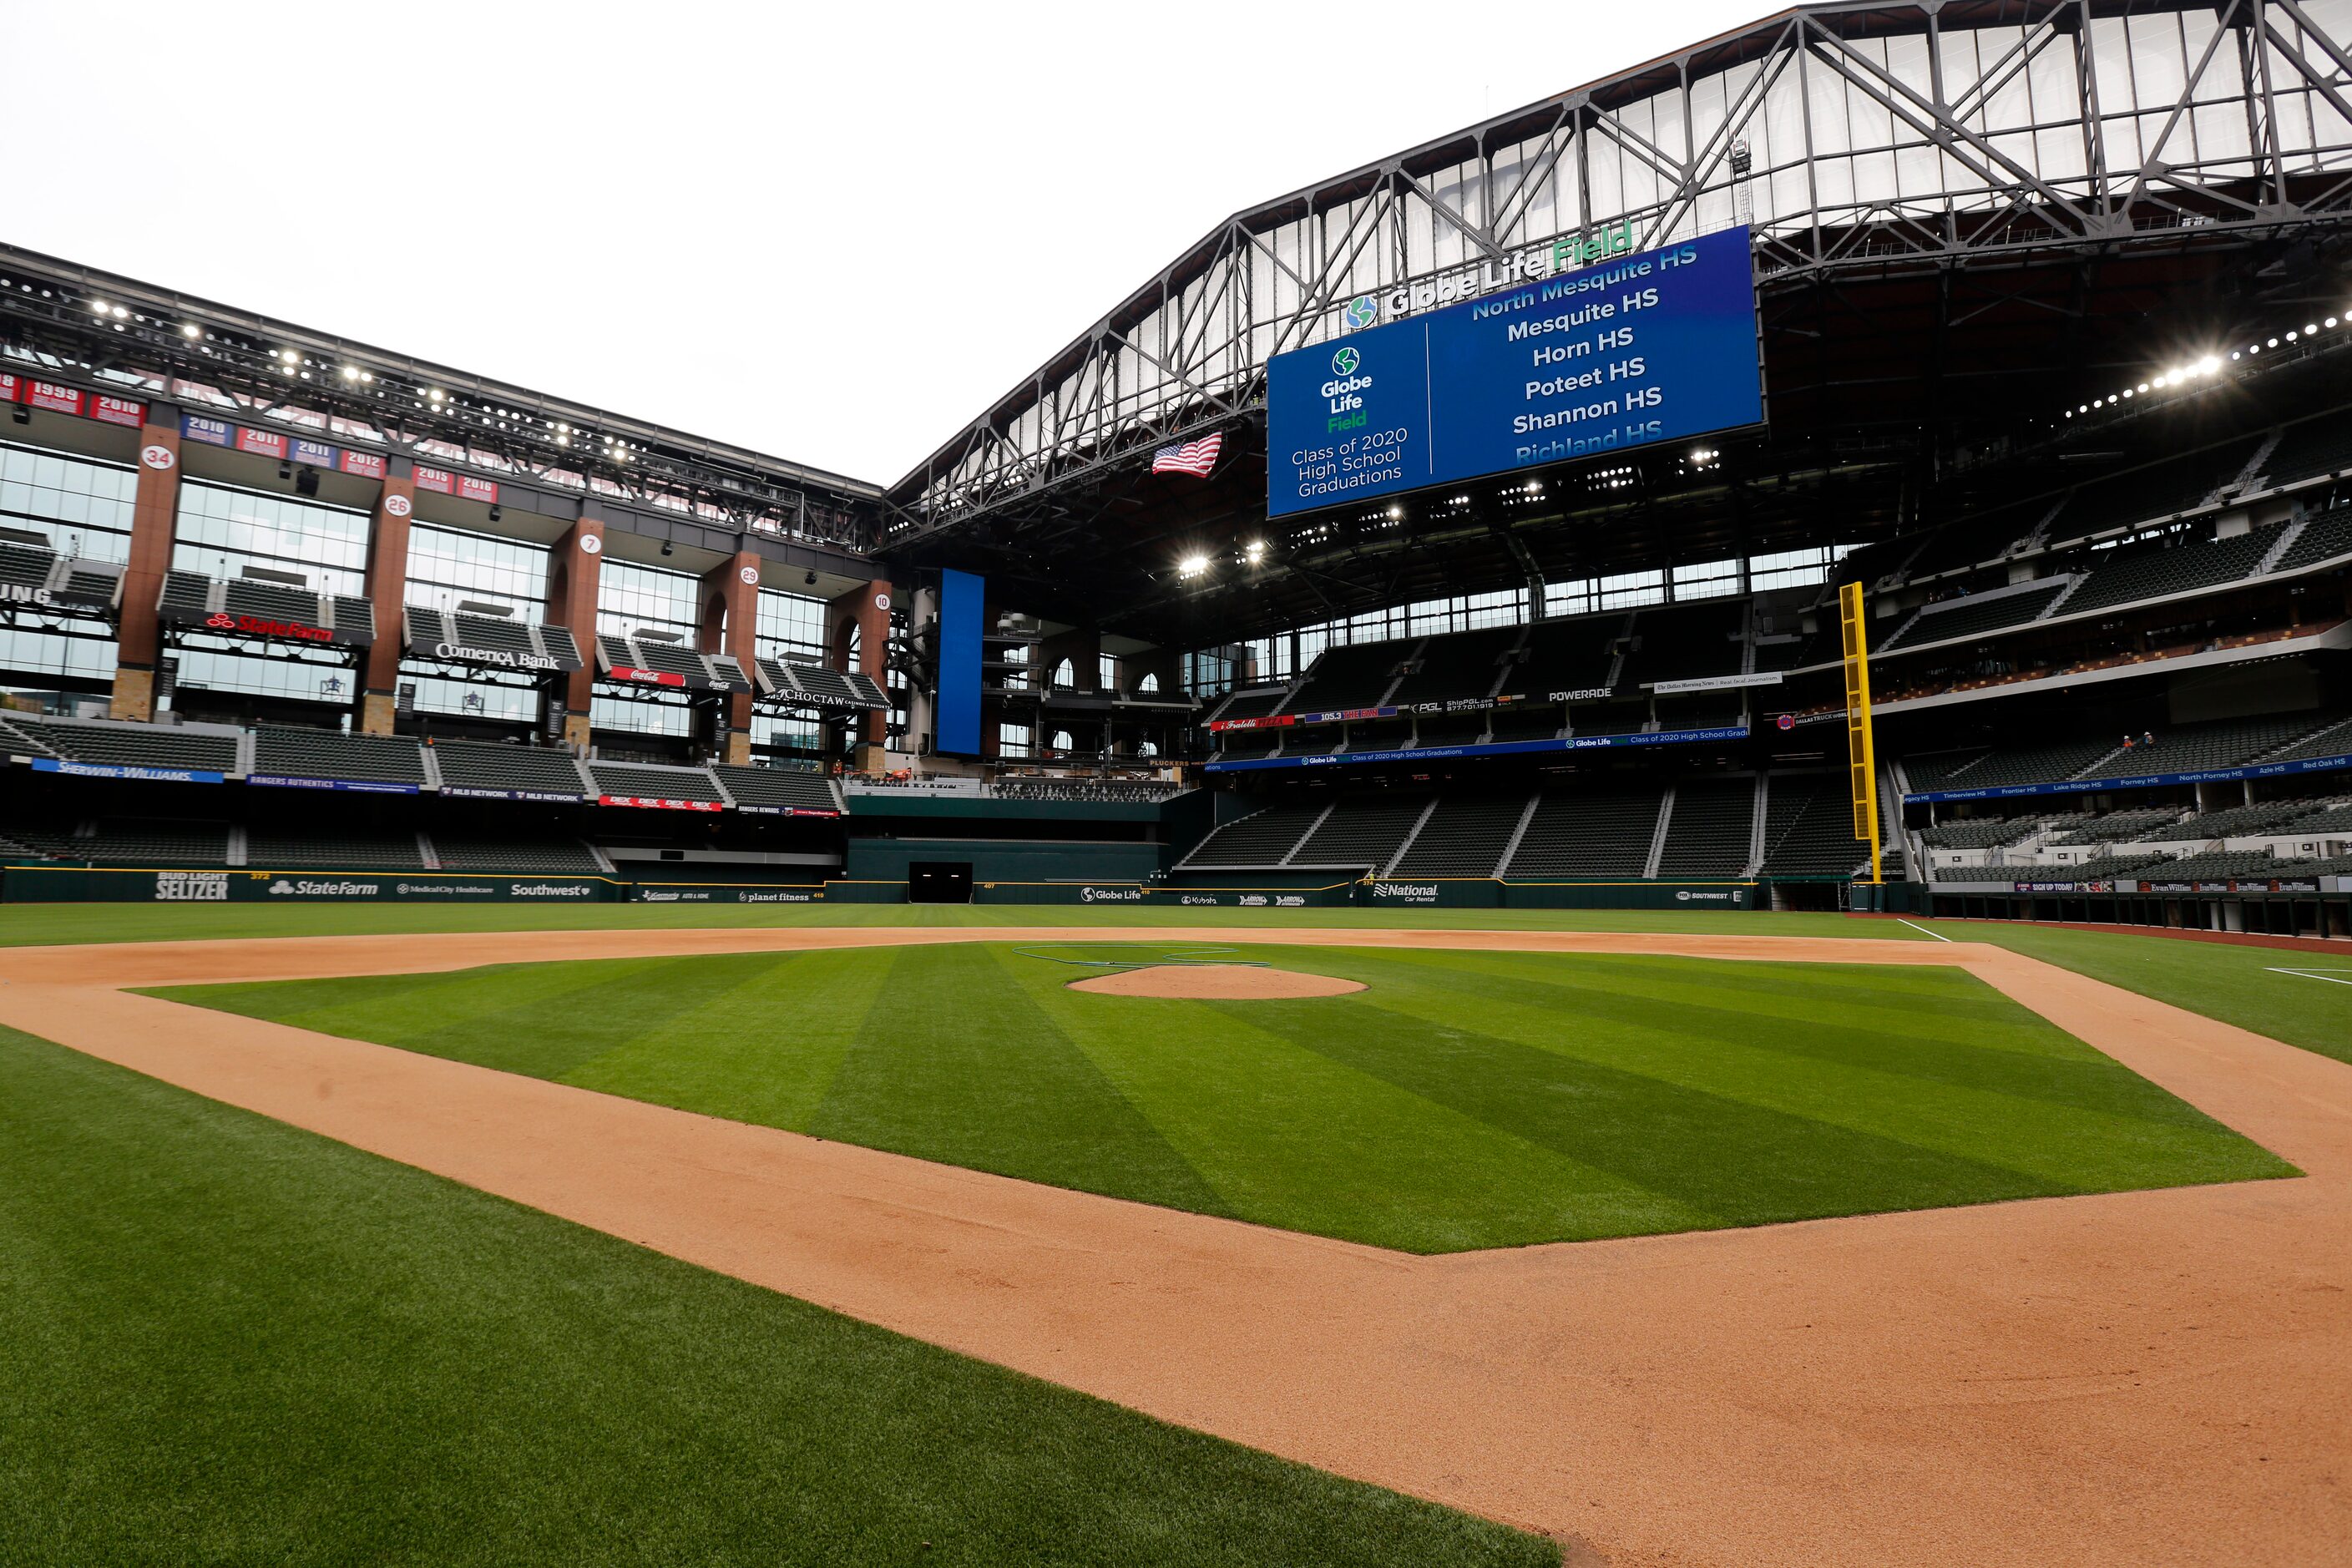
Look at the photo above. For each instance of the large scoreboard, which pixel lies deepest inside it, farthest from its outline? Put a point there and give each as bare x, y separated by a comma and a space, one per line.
1660, 345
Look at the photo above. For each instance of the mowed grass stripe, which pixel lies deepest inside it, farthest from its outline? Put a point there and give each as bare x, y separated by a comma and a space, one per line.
953, 1061
764, 1050
1295, 1136
223, 1340
1742, 1162
1818, 1069
1466, 1100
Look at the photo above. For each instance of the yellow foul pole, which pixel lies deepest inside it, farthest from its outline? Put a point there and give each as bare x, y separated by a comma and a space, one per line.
1862, 762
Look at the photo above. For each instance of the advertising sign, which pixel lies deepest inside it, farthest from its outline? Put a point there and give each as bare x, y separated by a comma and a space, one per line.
957, 715
1624, 353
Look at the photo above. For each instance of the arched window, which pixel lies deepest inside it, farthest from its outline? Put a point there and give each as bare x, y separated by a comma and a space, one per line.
1145, 748
1062, 742
1148, 686
1062, 678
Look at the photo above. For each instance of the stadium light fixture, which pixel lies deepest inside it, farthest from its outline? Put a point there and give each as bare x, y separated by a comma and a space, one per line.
192, 330
433, 394
97, 307
1193, 565
1253, 551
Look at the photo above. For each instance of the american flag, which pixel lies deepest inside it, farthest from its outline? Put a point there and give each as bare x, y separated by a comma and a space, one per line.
1193, 457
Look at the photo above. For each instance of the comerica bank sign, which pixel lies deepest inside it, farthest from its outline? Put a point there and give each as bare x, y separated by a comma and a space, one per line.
1563, 255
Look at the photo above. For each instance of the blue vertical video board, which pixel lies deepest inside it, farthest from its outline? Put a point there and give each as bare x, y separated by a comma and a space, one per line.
955, 711
1655, 346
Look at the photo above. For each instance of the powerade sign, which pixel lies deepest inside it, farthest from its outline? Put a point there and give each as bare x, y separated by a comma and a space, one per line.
1629, 352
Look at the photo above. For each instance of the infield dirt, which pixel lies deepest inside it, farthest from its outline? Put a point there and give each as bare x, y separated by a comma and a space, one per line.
2150, 1377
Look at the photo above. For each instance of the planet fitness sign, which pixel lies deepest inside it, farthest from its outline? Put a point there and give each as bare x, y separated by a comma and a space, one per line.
1631, 350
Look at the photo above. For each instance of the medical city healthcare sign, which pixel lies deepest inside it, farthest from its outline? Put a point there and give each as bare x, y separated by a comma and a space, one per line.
1628, 351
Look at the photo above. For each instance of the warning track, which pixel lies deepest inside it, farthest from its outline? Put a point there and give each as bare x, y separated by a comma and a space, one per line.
2143, 1377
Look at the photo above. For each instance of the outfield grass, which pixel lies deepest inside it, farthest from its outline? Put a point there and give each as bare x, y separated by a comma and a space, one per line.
225, 1341
23, 925
1464, 1100
2238, 985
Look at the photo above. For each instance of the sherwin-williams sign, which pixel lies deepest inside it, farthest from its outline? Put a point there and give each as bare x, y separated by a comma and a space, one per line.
1628, 351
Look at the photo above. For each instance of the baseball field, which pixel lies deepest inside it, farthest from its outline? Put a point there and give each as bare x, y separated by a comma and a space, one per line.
896, 1235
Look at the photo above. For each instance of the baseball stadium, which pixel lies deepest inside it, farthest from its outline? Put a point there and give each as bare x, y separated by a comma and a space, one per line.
1626, 841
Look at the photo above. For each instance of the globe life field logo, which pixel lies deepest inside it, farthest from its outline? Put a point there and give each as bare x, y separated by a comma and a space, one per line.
1344, 392
1359, 313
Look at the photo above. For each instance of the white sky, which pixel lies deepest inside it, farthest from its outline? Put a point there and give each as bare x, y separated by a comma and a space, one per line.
831, 233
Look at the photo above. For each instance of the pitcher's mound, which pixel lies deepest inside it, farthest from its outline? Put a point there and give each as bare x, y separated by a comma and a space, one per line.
1216, 982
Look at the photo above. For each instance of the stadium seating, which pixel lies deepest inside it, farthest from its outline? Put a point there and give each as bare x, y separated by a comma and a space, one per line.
1808, 828
1466, 665
2218, 744
2324, 741
1540, 721
528, 769
2323, 538
149, 841
1581, 833
1951, 619
327, 754
1364, 832
1241, 745
18, 742
785, 789
524, 854
1464, 836
1978, 832
2220, 865
1566, 656
2146, 494
1709, 832
2329, 820
2125, 576
2309, 448
2245, 821
1255, 704
134, 746
1352, 676
2115, 827
2025, 765
1685, 642
1454, 729
1263, 838
349, 849
646, 782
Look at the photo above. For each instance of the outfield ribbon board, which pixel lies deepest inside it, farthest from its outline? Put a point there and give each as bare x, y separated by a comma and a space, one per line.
547, 796
721, 893
359, 786
1635, 349
650, 803
1489, 749
2339, 762
126, 770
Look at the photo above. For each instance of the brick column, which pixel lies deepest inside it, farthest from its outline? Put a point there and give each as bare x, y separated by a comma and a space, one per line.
574, 568
731, 624
869, 609
388, 588
154, 515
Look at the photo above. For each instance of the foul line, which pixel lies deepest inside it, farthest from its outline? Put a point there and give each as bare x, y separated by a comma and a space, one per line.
2312, 973
1923, 931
